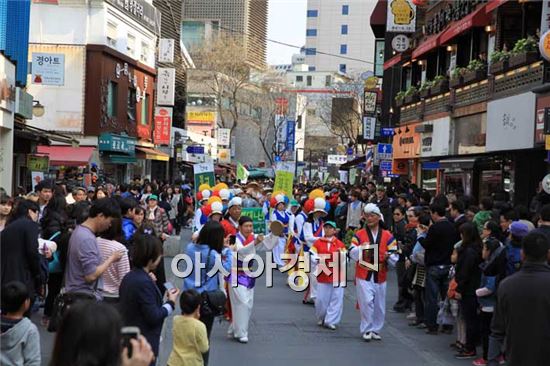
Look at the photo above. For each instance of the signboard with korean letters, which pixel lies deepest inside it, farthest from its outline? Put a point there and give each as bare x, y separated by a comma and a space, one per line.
48, 68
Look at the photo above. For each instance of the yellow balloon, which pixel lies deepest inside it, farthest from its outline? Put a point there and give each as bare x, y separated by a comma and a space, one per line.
278, 192
316, 193
204, 186
218, 187
214, 199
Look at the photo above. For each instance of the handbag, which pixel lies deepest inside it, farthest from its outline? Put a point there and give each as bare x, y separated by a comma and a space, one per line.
63, 301
213, 302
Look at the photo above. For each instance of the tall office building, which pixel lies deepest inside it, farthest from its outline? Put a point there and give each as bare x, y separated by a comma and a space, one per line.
341, 28
202, 19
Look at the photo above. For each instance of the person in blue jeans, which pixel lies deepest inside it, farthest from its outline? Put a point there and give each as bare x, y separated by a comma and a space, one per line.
439, 244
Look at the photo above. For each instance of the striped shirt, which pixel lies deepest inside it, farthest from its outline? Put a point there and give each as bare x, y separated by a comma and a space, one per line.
114, 274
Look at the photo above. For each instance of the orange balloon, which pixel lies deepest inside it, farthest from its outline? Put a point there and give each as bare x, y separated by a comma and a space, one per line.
214, 199
316, 193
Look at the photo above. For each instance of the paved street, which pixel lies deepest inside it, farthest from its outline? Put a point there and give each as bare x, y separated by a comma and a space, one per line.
283, 330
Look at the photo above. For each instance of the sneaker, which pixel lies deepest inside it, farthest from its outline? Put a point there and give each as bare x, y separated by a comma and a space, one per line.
501, 360
320, 323
376, 336
480, 362
243, 339
330, 326
411, 316
464, 355
367, 336
421, 326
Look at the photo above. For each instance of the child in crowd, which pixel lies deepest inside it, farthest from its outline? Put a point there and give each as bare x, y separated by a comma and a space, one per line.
19, 340
190, 337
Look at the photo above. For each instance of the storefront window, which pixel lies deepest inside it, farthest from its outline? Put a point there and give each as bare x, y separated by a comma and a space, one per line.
429, 180
145, 110
112, 95
458, 183
490, 181
132, 104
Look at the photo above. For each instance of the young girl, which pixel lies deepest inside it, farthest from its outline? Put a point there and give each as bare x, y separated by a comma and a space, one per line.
190, 336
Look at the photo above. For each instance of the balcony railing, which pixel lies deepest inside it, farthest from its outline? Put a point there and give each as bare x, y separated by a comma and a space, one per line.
437, 104
472, 94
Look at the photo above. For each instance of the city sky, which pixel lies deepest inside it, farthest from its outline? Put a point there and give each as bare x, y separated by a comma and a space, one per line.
286, 23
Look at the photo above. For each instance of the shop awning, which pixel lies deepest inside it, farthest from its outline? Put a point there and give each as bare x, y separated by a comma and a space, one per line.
67, 155
378, 15
120, 159
431, 165
478, 18
466, 163
393, 61
427, 45
151, 154
493, 4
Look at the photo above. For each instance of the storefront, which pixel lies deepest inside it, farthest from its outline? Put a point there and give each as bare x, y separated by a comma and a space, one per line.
406, 152
118, 156
434, 137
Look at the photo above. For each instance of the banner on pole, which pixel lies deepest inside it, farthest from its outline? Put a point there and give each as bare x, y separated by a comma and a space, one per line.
283, 182
242, 173
204, 173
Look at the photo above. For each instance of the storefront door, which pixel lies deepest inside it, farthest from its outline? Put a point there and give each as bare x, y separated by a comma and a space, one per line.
458, 182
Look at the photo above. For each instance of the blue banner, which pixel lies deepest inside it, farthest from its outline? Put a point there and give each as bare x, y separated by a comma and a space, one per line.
290, 135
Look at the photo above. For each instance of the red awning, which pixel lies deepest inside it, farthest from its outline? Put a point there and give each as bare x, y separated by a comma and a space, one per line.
378, 15
478, 18
427, 45
393, 61
67, 155
493, 4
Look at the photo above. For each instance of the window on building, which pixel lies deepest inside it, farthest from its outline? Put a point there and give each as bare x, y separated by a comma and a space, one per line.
257, 113
311, 51
112, 96
132, 104
342, 68
311, 32
131, 44
111, 34
311, 68
145, 110
345, 9
343, 49
328, 80
309, 80
299, 78
193, 33
311, 112
299, 122
144, 57
344, 29
312, 13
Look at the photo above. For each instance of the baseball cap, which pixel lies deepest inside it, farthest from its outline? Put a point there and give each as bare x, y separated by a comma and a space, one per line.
519, 229
330, 223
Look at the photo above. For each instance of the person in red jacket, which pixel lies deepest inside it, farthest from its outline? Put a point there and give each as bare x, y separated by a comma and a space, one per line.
231, 221
327, 252
371, 271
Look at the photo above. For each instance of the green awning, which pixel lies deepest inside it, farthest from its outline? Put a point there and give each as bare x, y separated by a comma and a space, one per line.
120, 159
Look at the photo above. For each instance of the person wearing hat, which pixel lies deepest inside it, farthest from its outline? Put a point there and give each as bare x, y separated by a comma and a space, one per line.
370, 272
157, 217
199, 219
518, 230
328, 252
231, 221
280, 214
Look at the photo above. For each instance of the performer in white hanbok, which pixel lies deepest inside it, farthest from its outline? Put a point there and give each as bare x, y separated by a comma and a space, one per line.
242, 296
279, 213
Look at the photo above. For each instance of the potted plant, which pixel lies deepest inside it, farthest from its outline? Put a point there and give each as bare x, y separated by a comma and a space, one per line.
525, 52
424, 89
440, 84
476, 70
499, 62
399, 98
457, 77
411, 95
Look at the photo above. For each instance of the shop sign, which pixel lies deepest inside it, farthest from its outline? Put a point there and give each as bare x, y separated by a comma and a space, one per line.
370, 102
435, 139
7, 84
37, 163
166, 50
337, 159
547, 142
48, 68
401, 16
407, 143
163, 122
511, 122
224, 136
166, 81
542, 126
544, 46
140, 11
117, 143
400, 167
400, 43
369, 127
201, 118
224, 156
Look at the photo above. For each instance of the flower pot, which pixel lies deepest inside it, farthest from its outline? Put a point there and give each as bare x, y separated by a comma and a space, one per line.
456, 82
440, 88
524, 58
498, 67
425, 93
475, 75
412, 98
398, 102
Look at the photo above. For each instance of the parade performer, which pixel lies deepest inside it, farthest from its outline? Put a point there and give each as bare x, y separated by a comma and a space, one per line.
211, 211
292, 246
370, 280
299, 220
311, 231
279, 202
203, 194
242, 296
231, 221
329, 303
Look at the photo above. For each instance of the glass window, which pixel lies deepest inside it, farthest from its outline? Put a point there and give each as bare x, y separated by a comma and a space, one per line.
345, 9
328, 80
343, 49
311, 32
112, 95
257, 113
131, 44
145, 110
144, 52
309, 80
132, 104
311, 68
299, 122
299, 78
342, 68
311, 51
344, 29
193, 33
111, 34
312, 13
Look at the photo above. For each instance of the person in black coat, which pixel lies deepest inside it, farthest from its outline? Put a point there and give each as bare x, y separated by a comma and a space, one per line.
141, 302
467, 277
457, 214
19, 254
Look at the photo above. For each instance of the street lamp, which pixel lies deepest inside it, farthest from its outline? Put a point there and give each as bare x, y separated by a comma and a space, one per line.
37, 108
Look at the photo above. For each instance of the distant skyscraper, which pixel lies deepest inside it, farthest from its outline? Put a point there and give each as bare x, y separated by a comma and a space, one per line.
339, 27
202, 19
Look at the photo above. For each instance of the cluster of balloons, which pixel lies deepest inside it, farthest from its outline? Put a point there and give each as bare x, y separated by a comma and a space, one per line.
316, 202
215, 197
278, 197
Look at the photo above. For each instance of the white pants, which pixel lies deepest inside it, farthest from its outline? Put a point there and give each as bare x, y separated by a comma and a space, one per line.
278, 251
312, 290
372, 304
329, 303
242, 300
